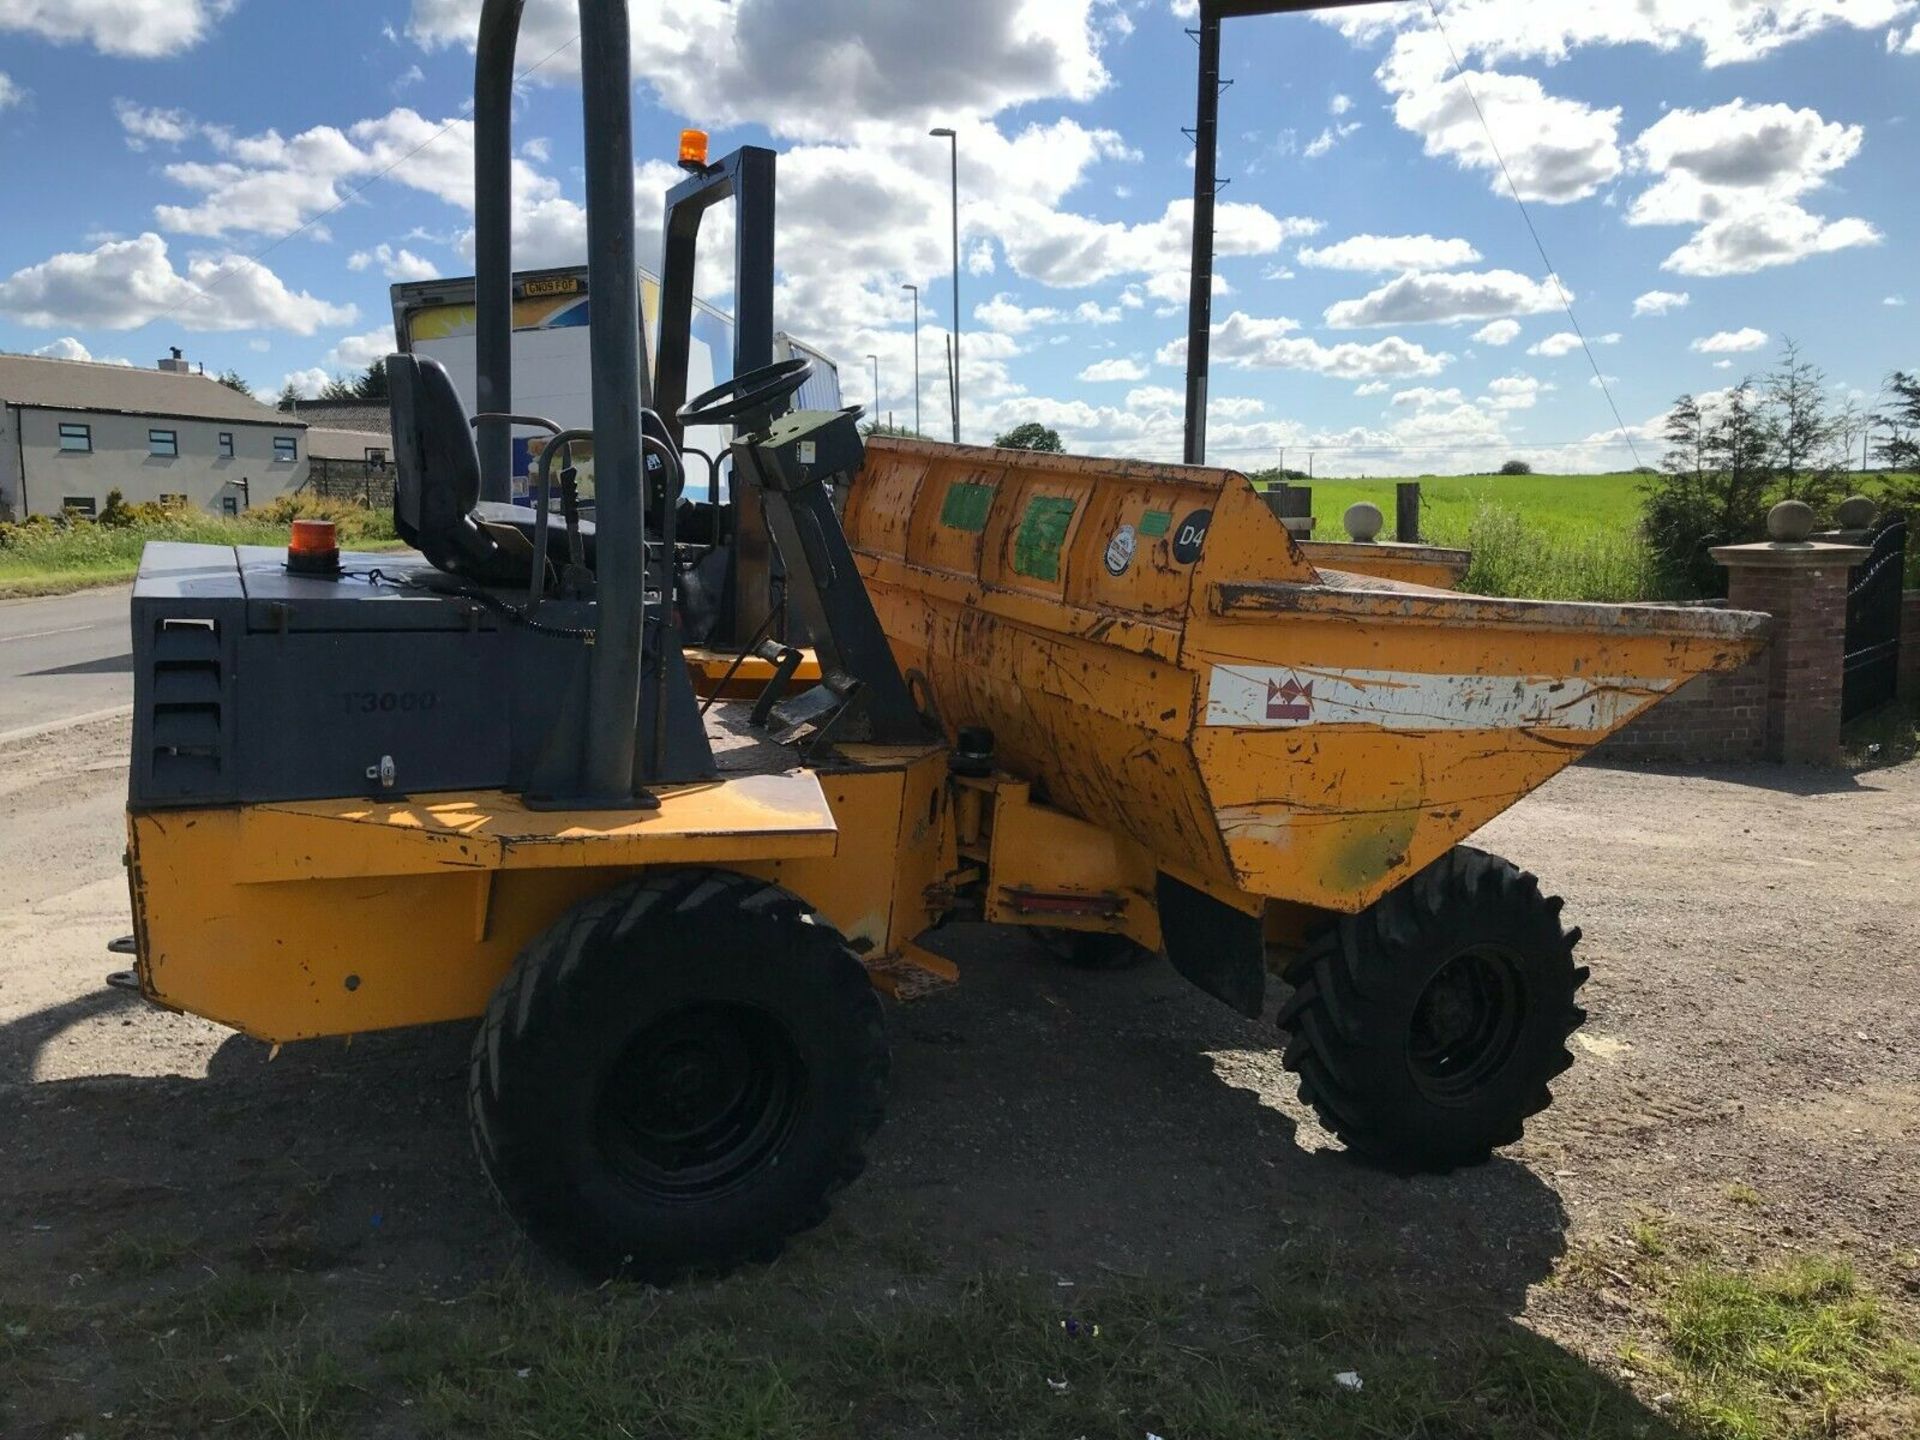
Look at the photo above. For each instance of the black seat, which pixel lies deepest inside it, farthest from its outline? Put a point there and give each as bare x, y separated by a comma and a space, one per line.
436, 491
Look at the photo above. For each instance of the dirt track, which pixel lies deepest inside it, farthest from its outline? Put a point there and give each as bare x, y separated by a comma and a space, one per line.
1755, 1014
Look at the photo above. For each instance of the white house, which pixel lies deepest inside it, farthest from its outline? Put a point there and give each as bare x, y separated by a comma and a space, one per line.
72, 430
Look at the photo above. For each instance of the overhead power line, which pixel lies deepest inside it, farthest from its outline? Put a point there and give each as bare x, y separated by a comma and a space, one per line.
1566, 300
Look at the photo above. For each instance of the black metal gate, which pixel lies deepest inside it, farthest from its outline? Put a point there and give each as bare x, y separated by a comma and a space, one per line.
1873, 621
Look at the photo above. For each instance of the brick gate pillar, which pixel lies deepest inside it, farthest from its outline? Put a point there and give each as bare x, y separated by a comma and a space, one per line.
1803, 585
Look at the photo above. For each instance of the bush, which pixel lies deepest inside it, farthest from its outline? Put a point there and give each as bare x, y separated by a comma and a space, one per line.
1516, 467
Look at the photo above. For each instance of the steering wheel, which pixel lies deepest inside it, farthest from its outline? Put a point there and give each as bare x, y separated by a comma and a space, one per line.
748, 396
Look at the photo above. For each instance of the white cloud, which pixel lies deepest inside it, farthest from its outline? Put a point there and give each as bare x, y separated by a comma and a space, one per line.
1566, 342
124, 284
539, 149
1498, 332
1059, 248
980, 259
307, 384
1003, 313
1089, 312
1340, 104
142, 29
1324, 142
1373, 387
10, 92
269, 184
1731, 342
1117, 369
1661, 302
1425, 397
1738, 173
1556, 150
1442, 299
1760, 242
401, 264
1909, 46
1514, 392
144, 125
1269, 344
1390, 252
357, 352
1236, 407
1894, 301
1560, 149
65, 348
819, 70
1723, 364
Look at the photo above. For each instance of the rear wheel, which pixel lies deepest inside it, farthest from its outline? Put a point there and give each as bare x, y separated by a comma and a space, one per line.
678, 1075
1425, 1029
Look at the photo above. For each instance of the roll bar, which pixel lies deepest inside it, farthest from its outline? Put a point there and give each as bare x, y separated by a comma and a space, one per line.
606, 772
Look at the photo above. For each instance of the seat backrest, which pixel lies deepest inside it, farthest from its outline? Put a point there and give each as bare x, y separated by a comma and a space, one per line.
436, 465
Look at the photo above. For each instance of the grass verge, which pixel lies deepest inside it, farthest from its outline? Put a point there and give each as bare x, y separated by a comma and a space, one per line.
49, 558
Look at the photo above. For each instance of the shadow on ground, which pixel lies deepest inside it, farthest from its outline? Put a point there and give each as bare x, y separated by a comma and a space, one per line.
1061, 1136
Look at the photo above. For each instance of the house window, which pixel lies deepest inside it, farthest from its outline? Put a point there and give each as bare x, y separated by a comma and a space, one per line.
77, 438
376, 457
226, 444
78, 505
178, 502
286, 449
164, 443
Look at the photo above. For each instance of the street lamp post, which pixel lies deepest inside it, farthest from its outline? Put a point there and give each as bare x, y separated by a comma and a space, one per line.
953, 396
876, 387
916, 357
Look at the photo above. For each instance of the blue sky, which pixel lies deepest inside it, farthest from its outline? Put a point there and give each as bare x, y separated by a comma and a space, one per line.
1384, 306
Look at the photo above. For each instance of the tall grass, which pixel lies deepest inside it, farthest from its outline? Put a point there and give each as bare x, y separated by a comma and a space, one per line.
46, 558
1515, 557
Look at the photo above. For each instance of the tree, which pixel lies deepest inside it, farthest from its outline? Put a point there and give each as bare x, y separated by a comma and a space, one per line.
339, 388
290, 396
1900, 447
1715, 489
1031, 436
373, 384
1516, 467
231, 379
1805, 433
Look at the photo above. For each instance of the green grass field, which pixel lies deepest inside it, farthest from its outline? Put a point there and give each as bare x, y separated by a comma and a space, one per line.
1553, 537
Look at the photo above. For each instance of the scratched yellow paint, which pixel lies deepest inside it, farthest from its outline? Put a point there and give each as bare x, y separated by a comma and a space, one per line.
1101, 693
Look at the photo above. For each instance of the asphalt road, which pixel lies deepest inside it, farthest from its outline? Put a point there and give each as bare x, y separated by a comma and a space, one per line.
64, 656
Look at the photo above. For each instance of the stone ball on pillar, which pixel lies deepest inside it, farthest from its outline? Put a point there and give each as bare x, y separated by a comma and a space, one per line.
1790, 522
1363, 520
1856, 512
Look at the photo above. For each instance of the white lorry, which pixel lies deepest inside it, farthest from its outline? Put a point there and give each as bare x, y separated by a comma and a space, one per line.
552, 374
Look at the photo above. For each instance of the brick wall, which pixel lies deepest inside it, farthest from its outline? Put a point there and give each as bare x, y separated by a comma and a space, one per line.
1711, 717
1910, 646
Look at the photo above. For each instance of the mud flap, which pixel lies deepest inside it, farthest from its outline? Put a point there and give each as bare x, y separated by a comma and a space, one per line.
1218, 948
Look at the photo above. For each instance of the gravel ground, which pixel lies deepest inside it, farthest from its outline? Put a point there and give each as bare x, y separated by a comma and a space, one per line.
1755, 1007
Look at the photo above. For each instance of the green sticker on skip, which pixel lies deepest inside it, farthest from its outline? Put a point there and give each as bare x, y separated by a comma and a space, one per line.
1036, 548
1156, 522
966, 506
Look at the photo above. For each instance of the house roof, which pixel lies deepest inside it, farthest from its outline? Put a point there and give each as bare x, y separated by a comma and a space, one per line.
325, 444
40, 383
368, 415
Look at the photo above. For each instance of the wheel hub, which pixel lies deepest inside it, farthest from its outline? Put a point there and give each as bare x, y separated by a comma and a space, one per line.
1466, 1024
699, 1100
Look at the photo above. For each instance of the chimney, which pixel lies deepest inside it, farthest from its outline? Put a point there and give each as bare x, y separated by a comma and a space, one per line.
176, 362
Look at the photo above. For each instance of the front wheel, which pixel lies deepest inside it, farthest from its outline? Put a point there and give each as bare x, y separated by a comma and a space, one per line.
1425, 1029
678, 1075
